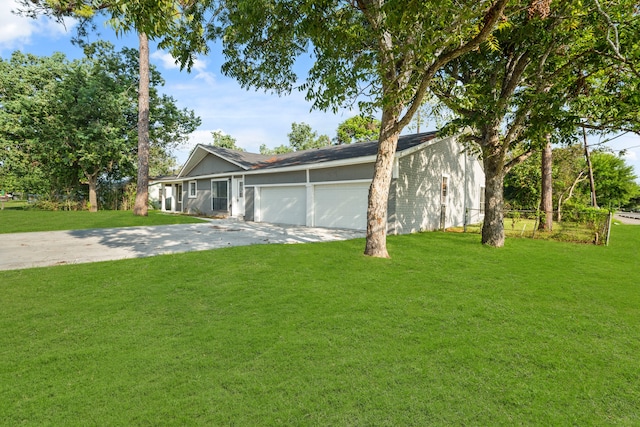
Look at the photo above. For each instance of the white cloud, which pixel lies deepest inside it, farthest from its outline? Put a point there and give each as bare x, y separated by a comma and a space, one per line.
198, 137
199, 68
18, 31
166, 60
13, 29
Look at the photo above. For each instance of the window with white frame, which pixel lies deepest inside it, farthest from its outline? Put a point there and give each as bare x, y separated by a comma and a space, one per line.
179, 191
192, 189
220, 195
444, 192
482, 200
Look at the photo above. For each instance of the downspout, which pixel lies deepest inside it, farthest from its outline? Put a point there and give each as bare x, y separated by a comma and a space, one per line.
466, 188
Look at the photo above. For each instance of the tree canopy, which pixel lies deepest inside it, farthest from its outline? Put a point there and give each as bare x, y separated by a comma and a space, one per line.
514, 93
357, 129
179, 26
614, 180
75, 121
223, 140
301, 137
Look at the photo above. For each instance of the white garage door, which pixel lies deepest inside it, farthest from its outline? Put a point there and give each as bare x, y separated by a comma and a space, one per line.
283, 205
341, 205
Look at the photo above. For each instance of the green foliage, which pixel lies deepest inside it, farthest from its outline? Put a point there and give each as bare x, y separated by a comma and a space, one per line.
615, 180
302, 137
609, 99
510, 95
224, 141
447, 333
578, 212
177, 25
280, 149
66, 122
522, 184
358, 129
382, 50
24, 78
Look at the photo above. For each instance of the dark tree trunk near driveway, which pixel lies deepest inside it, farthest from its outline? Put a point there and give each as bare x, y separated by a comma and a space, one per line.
142, 189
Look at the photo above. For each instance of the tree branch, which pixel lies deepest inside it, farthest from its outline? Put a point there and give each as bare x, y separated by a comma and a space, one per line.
492, 17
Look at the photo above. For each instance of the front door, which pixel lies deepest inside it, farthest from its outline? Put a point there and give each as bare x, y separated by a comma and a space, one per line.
238, 197
179, 197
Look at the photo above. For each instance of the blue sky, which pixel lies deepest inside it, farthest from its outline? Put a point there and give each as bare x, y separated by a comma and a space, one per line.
252, 117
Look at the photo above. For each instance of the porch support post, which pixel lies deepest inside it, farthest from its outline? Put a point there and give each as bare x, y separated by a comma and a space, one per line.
162, 197
173, 197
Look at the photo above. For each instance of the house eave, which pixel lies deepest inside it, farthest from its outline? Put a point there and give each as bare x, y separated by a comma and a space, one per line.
307, 166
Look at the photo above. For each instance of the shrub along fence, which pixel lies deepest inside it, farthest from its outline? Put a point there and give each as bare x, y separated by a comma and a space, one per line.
580, 226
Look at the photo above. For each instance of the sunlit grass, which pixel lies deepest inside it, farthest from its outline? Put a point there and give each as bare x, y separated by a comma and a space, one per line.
447, 332
14, 220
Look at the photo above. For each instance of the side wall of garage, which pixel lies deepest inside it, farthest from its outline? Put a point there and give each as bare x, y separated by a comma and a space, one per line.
420, 203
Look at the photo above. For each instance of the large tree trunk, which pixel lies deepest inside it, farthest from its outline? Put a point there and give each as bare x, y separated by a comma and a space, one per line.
93, 192
546, 193
592, 183
142, 190
493, 225
376, 244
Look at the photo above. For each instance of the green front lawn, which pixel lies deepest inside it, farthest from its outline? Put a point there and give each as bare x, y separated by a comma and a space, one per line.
13, 219
447, 332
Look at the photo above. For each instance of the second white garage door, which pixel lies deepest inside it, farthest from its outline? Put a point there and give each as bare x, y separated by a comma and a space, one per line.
341, 205
283, 205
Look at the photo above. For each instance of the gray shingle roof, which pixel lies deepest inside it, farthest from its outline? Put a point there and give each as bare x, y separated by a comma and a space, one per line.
253, 161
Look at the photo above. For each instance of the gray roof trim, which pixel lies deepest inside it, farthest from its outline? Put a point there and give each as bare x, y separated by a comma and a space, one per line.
331, 164
225, 154
415, 148
330, 156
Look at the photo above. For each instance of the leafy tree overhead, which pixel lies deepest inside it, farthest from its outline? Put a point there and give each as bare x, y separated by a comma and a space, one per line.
225, 141
179, 25
380, 54
357, 129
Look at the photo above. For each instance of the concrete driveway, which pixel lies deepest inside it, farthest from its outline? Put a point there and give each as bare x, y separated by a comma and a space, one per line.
40, 249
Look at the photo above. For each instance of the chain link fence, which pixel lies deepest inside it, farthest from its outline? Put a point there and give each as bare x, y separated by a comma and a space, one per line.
587, 226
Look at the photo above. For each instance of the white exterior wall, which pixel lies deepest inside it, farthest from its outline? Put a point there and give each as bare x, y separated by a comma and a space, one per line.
417, 204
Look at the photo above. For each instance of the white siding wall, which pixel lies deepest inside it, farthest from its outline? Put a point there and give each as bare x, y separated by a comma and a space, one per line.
418, 186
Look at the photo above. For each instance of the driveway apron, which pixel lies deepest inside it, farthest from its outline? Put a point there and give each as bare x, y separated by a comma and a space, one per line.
40, 249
